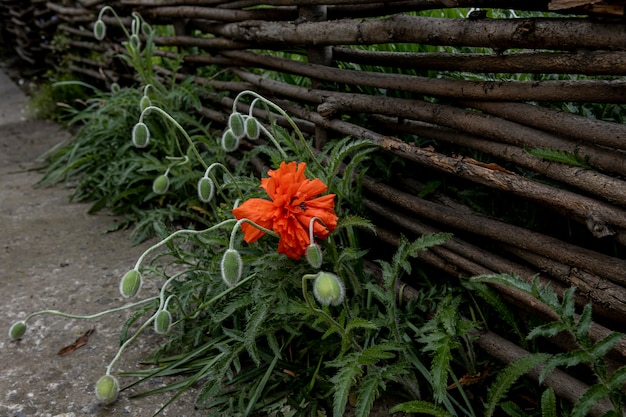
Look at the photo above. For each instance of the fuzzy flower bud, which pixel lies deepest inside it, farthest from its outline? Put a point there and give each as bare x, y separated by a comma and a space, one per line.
161, 184
17, 330
314, 255
230, 142
141, 135
328, 289
236, 124
144, 103
99, 30
232, 267
130, 283
115, 88
146, 29
252, 128
206, 189
163, 322
107, 389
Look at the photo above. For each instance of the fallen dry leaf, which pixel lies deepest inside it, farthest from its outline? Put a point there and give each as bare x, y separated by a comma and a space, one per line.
81, 341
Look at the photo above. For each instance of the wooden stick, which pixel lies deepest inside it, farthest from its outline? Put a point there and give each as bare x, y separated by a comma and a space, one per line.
576, 62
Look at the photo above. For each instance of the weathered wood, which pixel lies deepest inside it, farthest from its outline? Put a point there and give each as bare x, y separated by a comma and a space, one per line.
560, 34
564, 385
605, 186
600, 90
575, 62
460, 119
222, 15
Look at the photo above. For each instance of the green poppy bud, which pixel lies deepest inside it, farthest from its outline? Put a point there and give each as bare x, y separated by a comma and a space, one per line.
236, 125
163, 322
314, 255
99, 30
144, 103
252, 128
328, 289
161, 184
17, 330
232, 267
135, 42
115, 88
130, 283
230, 142
141, 135
206, 189
146, 29
107, 389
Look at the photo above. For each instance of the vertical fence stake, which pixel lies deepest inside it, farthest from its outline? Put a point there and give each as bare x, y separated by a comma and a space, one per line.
321, 55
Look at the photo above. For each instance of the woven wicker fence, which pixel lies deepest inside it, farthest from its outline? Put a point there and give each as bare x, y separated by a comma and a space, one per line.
491, 124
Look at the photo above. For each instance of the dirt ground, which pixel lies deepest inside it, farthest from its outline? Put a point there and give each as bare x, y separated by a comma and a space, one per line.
53, 255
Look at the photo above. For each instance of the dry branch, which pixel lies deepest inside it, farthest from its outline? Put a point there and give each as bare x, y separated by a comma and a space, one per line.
223, 15
558, 34
596, 90
463, 120
564, 385
609, 188
575, 62
608, 267
594, 131
456, 256
599, 217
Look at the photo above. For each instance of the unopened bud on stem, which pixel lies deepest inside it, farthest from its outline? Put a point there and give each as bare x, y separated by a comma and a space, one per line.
328, 289
17, 330
231, 267
130, 283
107, 389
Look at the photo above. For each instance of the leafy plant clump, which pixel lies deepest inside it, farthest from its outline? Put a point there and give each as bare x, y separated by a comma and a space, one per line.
271, 304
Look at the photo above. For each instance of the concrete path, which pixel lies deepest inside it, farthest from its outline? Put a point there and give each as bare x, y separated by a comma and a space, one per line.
53, 255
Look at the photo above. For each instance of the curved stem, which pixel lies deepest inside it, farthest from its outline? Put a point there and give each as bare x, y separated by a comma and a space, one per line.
87, 317
179, 127
177, 234
283, 113
108, 8
332, 321
128, 342
230, 175
231, 244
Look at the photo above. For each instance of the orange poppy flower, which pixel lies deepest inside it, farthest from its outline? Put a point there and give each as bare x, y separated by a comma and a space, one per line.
291, 209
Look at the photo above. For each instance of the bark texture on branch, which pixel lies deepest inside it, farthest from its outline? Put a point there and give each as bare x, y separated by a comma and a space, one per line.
564, 34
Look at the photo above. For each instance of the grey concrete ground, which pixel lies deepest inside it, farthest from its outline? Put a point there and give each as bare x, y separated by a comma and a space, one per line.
53, 255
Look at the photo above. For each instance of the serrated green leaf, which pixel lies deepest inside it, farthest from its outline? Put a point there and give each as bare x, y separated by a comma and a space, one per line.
584, 323
376, 353
439, 371
369, 389
604, 345
513, 410
421, 407
343, 382
617, 379
507, 377
359, 323
589, 398
566, 359
547, 330
548, 403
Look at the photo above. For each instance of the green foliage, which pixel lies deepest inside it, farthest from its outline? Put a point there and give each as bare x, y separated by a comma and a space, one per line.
587, 352
563, 157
